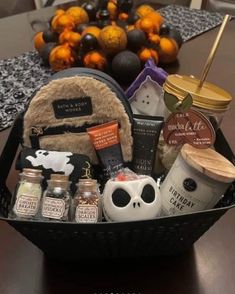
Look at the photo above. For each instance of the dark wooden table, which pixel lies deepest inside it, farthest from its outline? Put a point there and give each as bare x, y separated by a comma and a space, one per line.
207, 269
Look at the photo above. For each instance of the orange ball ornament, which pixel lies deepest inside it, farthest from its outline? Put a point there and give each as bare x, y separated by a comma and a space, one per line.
123, 16
130, 28
154, 39
95, 59
70, 37
147, 25
61, 57
78, 14
38, 41
168, 50
144, 10
113, 10
61, 22
59, 12
112, 39
146, 53
156, 17
93, 30
54, 22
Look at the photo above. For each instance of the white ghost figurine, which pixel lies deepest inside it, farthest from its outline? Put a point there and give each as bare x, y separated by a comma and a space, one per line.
148, 99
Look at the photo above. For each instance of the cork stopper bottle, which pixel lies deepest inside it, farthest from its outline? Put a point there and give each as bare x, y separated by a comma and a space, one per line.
87, 207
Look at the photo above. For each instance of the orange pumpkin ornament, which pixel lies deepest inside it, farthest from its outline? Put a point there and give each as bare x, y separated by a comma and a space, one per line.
78, 14
54, 21
154, 38
61, 57
112, 39
144, 10
147, 25
130, 28
113, 10
61, 22
123, 16
38, 41
70, 37
95, 59
168, 50
59, 12
156, 17
93, 30
147, 53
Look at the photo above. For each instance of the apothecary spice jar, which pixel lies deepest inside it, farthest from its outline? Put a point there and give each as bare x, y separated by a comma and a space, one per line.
27, 197
86, 203
56, 199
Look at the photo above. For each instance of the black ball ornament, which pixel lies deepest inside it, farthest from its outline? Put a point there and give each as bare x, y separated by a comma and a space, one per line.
45, 52
133, 17
126, 66
88, 42
164, 29
176, 35
80, 28
135, 39
125, 5
49, 36
91, 10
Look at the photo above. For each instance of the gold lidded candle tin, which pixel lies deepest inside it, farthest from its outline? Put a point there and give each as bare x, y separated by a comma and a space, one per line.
210, 100
196, 181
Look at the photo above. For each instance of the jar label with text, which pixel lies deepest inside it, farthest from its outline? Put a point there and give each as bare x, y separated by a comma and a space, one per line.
26, 205
53, 208
86, 214
190, 127
184, 192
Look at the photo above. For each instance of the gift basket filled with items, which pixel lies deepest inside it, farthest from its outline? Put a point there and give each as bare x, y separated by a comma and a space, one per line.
108, 173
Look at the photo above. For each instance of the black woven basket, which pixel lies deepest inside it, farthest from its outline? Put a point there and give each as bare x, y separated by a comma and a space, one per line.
69, 241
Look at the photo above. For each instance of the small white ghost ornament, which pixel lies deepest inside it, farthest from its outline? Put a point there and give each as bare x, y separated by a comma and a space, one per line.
148, 99
131, 200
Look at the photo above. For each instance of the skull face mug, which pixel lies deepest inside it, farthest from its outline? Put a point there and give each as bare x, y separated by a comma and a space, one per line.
132, 200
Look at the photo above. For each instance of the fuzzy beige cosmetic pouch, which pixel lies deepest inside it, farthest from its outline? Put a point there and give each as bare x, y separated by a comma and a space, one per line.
60, 112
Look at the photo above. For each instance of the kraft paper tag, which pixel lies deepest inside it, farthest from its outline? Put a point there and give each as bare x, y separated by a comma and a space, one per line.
190, 127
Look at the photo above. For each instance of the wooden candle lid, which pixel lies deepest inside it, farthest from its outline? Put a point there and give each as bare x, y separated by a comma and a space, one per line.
209, 162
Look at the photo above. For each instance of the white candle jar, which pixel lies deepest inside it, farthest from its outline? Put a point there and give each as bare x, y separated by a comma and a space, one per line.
196, 181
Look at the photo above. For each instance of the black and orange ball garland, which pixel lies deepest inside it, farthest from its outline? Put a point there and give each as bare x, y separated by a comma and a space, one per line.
111, 36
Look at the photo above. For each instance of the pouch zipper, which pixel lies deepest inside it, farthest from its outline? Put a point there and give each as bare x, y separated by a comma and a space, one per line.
58, 130
37, 131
